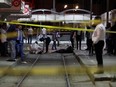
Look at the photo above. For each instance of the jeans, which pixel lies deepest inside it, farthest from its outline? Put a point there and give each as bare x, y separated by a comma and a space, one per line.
20, 50
13, 48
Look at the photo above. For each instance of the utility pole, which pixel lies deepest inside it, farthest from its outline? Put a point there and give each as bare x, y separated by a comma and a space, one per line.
54, 5
91, 5
107, 16
54, 8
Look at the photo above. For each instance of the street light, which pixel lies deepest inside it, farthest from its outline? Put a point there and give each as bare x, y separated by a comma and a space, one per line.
76, 7
65, 6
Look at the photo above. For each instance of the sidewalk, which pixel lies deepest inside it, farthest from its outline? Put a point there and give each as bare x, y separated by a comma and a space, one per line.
90, 62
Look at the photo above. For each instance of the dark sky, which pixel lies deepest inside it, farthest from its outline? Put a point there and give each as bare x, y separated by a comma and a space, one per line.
99, 6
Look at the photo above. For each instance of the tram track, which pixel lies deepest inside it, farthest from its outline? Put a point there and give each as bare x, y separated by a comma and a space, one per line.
9, 80
7, 68
50, 80
66, 73
61, 62
71, 79
62, 78
27, 73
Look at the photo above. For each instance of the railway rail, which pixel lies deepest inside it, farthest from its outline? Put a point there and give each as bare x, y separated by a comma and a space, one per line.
63, 77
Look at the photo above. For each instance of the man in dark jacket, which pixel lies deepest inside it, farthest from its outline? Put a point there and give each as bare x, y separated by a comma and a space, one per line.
113, 39
47, 42
69, 49
12, 36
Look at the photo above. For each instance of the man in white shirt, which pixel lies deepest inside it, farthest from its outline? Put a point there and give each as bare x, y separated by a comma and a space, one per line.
98, 38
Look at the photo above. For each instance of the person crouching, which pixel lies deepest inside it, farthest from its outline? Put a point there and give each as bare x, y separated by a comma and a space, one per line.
35, 48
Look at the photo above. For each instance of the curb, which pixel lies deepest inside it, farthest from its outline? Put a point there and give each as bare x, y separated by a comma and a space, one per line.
91, 76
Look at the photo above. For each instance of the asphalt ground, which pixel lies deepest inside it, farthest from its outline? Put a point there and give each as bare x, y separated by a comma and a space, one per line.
88, 61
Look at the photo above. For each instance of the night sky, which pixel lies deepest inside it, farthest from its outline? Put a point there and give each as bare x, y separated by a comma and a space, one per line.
99, 6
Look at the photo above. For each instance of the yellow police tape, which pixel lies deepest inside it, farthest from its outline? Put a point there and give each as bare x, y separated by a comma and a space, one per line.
56, 27
54, 70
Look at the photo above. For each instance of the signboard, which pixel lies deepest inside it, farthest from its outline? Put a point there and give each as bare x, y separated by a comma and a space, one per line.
16, 3
26, 9
15, 8
5, 3
25, 12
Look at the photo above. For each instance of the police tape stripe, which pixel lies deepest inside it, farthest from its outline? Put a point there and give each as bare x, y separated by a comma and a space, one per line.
54, 27
53, 70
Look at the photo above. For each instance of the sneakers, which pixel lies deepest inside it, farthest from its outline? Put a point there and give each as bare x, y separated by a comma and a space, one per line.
24, 62
12, 60
99, 72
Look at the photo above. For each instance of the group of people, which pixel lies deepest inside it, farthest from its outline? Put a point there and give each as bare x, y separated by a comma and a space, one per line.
12, 41
111, 39
43, 37
12, 37
96, 40
76, 35
36, 48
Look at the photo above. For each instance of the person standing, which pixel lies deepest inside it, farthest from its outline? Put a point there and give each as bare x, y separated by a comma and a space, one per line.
72, 37
57, 38
78, 39
44, 32
89, 41
12, 36
20, 39
108, 40
113, 39
30, 35
4, 43
47, 42
54, 38
98, 38
76, 35
44, 36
